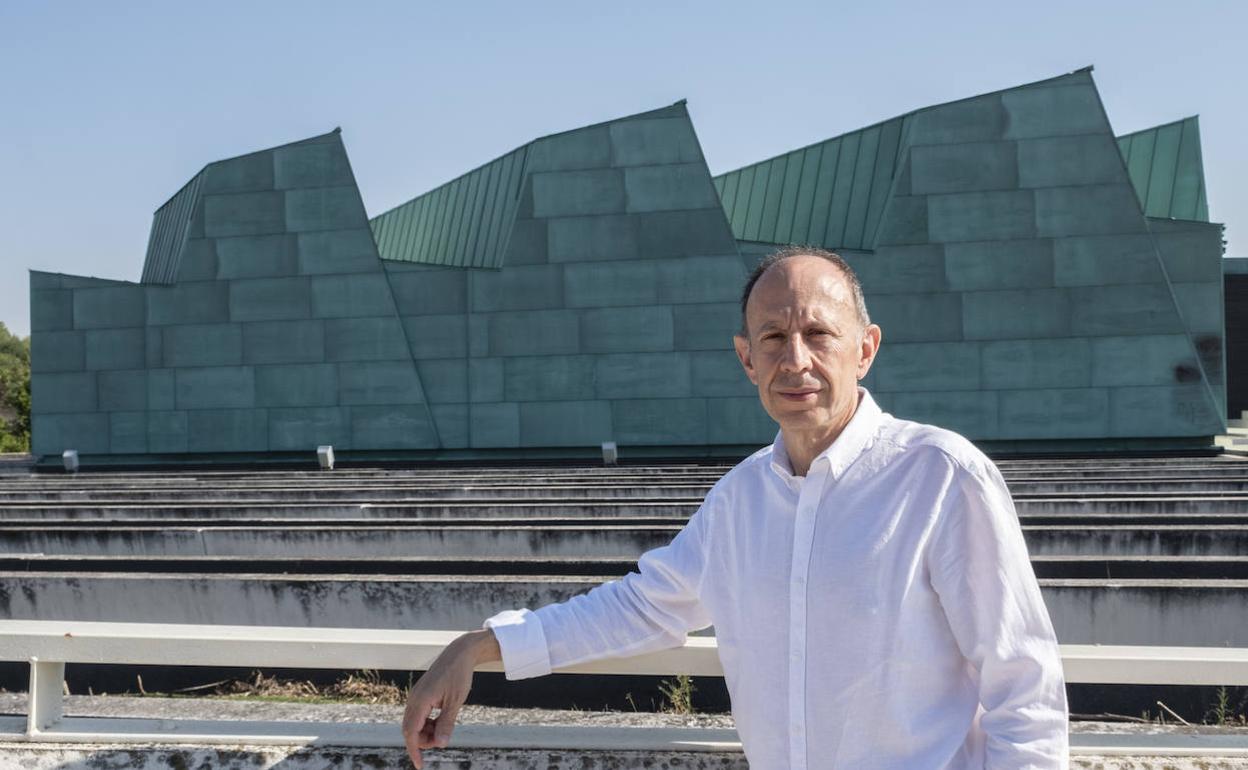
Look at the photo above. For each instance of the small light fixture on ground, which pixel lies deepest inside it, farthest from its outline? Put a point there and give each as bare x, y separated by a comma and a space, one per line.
325, 456
69, 458
610, 454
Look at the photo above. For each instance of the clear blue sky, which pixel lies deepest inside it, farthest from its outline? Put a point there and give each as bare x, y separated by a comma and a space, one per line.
108, 108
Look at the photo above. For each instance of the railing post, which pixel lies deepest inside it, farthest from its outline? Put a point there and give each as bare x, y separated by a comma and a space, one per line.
43, 707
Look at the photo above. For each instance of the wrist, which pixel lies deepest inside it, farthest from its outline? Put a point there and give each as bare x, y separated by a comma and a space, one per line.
481, 647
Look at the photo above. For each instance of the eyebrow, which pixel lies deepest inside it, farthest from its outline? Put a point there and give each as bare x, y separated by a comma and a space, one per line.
821, 322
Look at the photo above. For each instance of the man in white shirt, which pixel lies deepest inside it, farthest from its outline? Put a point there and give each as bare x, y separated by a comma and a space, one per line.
866, 576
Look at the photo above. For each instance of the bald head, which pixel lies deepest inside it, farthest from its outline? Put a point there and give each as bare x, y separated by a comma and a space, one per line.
816, 264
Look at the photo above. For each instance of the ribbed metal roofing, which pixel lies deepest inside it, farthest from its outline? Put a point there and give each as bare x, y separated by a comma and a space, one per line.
1166, 169
829, 194
463, 223
168, 236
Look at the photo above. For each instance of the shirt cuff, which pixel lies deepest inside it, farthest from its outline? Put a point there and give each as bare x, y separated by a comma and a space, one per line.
522, 642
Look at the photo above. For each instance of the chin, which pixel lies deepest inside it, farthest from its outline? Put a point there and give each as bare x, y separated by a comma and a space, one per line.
798, 414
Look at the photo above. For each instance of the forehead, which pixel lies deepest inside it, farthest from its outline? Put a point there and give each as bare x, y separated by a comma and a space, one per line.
801, 286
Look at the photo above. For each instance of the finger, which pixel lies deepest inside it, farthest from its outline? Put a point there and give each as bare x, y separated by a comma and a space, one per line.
415, 715
413, 750
414, 723
427, 739
444, 725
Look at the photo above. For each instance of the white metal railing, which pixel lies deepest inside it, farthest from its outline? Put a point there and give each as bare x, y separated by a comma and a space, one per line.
48, 645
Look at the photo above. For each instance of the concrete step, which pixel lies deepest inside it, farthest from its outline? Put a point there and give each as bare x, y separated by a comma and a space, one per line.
1088, 611
582, 473
1138, 503
345, 542
1066, 567
352, 494
1134, 504
359, 494
605, 509
1059, 519
521, 539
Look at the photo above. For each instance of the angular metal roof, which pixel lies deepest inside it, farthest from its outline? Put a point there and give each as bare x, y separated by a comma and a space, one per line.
172, 221
168, 237
466, 222
1166, 169
463, 223
829, 194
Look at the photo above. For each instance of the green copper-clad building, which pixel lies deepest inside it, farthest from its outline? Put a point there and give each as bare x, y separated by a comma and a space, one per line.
1042, 284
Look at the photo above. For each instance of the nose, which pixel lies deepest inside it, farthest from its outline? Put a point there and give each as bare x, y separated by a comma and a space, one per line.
796, 356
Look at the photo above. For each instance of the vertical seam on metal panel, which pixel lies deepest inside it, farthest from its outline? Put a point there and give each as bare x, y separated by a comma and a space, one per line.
772, 184
400, 225
424, 219
491, 255
836, 175
762, 203
480, 215
880, 154
848, 203
1171, 175
1152, 171
384, 238
397, 228
736, 194
810, 214
506, 211
1201, 201
1178, 159
874, 162
903, 138
518, 175
432, 218
462, 212
454, 206
403, 223
797, 188
874, 226
867, 193
393, 243
482, 233
433, 254
749, 194
730, 182
467, 223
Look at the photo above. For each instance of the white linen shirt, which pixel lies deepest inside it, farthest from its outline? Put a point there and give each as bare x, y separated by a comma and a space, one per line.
880, 612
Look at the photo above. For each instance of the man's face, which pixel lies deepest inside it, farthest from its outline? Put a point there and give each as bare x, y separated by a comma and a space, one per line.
806, 348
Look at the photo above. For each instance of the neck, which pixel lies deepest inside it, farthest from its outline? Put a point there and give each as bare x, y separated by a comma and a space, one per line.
804, 444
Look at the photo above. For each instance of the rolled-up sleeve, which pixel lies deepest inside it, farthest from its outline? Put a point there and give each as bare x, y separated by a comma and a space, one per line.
647, 610
981, 571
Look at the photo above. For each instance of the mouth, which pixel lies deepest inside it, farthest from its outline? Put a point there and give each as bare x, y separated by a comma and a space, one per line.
799, 394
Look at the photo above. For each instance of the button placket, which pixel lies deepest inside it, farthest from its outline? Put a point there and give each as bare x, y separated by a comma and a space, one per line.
811, 492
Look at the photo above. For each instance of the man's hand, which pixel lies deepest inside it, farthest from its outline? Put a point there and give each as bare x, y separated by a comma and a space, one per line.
445, 687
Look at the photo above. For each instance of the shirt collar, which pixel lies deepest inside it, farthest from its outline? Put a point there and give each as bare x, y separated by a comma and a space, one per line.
854, 438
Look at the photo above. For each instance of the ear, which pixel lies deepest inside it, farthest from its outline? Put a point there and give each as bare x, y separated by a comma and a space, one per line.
870, 346
743, 354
